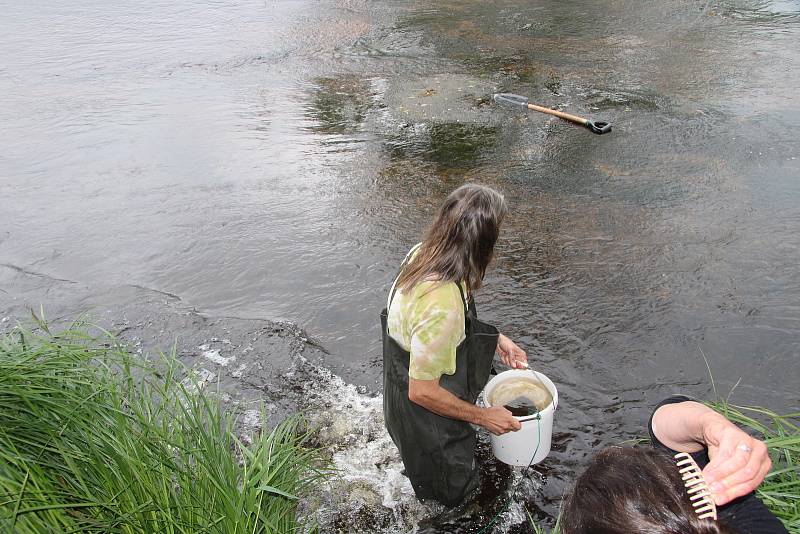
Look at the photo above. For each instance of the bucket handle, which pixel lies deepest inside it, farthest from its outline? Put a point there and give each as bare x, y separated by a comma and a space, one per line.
537, 415
528, 417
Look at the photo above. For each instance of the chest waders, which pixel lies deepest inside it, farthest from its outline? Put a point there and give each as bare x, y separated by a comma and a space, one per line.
438, 452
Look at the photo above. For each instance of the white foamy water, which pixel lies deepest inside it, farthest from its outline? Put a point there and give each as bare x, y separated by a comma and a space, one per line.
198, 379
368, 493
215, 356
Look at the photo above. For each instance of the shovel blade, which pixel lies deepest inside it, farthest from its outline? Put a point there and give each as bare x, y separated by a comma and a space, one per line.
598, 127
510, 99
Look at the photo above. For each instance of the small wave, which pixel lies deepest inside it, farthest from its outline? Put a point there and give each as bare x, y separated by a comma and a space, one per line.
368, 493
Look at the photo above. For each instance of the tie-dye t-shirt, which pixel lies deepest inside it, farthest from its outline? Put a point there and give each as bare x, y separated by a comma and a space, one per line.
428, 321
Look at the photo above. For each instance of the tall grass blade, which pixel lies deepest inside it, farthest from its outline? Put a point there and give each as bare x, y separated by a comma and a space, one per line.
92, 440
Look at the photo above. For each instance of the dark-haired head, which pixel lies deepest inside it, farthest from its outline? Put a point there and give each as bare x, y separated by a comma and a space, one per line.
627, 490
459, 244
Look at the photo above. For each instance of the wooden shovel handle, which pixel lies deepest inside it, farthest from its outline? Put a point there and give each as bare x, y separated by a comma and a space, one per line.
560, 114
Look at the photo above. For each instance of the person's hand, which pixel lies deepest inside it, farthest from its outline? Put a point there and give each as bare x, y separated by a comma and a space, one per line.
511, 354
498, 420
738, 463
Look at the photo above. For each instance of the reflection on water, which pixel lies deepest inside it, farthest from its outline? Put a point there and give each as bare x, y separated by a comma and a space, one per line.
445, 144
278, 160
339, 105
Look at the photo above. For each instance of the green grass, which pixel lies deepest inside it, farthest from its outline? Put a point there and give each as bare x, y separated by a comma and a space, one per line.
780, 490
93, 440
538, 529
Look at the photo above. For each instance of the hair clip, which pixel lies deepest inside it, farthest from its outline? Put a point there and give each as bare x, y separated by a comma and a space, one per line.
696, 486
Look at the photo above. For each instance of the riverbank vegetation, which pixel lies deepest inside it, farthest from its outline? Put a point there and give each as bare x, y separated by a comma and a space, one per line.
94, 440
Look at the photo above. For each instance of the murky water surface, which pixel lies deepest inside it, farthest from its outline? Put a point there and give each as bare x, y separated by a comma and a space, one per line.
275, 159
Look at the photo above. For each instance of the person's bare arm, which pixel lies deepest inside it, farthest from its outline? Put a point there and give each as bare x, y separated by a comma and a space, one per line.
431, 396
738, 461
679, 426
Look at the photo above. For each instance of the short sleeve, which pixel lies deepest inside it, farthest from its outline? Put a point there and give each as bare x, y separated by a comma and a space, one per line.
437, 328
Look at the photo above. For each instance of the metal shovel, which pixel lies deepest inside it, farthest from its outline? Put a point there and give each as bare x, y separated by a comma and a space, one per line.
510, 99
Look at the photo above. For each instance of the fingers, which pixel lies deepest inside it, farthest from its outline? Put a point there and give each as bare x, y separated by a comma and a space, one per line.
520, 358
724, 463
515, 361
515, 351
515, 364
506, 346
741, 473
723, 438
513, 356
501, 421
505, 356
512, 426
743, 489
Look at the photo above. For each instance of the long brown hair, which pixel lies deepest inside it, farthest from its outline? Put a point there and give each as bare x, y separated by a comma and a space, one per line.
459, 243
632, 490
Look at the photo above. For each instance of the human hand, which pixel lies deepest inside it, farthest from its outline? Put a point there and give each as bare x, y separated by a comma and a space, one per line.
498, 420
511, 354
738, 463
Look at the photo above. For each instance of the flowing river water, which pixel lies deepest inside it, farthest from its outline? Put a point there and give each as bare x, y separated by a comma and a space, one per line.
212, 174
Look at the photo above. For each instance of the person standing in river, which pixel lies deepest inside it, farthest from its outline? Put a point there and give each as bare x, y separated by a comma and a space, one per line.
437, 355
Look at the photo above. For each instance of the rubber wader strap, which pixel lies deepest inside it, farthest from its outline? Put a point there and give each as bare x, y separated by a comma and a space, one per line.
393, 290
460, 292
463, 300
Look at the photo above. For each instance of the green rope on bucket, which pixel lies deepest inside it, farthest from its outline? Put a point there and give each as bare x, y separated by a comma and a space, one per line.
526, 468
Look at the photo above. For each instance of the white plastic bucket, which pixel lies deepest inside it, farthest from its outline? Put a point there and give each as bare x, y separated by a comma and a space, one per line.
531, 443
